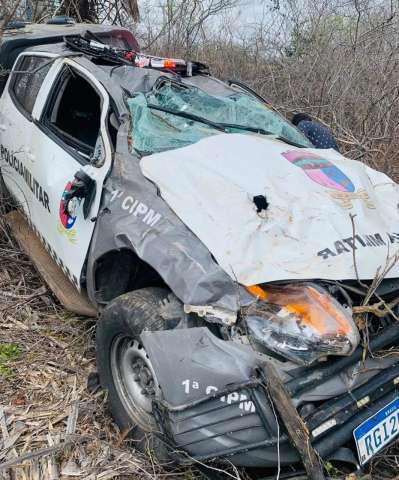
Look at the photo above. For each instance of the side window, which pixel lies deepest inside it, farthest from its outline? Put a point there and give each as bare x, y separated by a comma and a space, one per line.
26, 86
73, 113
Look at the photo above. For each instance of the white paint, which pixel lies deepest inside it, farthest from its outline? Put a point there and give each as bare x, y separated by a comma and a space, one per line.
324, 427
363, 401
210, 389
53, 167
210, 186
233, 398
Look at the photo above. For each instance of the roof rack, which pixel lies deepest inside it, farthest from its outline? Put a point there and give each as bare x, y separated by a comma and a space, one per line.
96, 49
15, 25
61, 20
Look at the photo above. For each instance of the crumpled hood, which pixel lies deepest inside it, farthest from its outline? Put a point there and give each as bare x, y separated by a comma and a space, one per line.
305, 232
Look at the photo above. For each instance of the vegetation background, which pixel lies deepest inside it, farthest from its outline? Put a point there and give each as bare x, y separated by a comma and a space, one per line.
335, 59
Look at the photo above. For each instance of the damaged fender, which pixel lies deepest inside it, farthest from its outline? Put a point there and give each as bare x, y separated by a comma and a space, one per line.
213, 404
133, 216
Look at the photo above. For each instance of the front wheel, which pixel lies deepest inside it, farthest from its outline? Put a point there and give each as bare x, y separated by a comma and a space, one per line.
124, 368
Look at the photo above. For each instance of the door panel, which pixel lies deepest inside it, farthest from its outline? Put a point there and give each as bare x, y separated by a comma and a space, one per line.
16, 157
68, 235
15, 137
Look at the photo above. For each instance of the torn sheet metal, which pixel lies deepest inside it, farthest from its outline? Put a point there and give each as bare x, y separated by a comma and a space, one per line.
306, 230
134, 216
197, 367
198, 364
142, 80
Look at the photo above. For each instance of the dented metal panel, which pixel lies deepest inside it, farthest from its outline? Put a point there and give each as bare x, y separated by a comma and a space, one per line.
306, 230
215, 406
134, 216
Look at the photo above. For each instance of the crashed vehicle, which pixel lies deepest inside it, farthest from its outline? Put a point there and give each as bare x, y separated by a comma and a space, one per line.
211, 239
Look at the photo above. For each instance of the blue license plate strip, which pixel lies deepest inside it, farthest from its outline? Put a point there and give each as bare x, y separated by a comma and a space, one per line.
377, 431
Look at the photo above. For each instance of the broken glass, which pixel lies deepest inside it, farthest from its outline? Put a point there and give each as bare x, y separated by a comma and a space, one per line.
191, 114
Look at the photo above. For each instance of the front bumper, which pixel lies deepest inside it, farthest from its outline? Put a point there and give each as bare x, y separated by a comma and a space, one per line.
215, 403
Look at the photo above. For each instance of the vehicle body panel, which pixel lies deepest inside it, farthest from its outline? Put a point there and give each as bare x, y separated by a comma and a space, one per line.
134, 216
312, 196
53, 168
215, 402
16, 135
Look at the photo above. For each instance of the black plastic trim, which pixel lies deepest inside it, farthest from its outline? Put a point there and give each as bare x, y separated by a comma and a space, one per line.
345, 406
340, 436
52, 132
317, 375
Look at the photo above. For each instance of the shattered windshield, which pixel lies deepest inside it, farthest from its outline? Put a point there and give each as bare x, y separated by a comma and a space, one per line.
174, 115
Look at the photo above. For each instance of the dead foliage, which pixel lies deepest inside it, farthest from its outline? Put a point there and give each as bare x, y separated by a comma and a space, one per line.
337, 60
51, 426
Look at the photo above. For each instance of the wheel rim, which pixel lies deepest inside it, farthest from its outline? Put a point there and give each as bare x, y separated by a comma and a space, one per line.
134, 379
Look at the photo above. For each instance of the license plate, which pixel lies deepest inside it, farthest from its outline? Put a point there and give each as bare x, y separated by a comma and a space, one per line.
377, 431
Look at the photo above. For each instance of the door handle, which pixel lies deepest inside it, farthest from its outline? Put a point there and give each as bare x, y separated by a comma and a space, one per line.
3, 128
83, 187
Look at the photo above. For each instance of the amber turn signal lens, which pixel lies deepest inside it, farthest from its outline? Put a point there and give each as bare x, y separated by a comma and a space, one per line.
257, 291
301, 321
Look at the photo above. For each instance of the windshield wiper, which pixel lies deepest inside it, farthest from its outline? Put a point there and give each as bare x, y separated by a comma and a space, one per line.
218, 126
247, 128
189, 116
222, 127
262, 132
291, 142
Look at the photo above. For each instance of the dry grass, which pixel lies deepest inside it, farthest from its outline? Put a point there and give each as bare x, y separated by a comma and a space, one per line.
46, 356
51, 425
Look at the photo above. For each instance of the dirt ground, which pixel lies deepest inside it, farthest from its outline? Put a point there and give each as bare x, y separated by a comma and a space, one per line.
52, 426
46, 357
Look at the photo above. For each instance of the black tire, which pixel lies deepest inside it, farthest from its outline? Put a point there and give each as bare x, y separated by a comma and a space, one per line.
126, 317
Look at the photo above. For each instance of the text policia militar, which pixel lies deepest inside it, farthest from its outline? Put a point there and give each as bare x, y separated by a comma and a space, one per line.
37, 190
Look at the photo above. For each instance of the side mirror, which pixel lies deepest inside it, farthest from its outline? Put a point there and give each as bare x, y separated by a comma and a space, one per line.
83, 187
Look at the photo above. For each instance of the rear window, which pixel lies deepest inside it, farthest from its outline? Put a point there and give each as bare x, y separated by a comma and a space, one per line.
26, 86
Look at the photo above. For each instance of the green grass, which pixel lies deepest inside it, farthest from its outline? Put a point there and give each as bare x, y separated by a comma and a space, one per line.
332, 471
8, 353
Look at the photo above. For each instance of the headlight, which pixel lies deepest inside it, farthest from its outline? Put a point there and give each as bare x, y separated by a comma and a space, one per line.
301, 322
